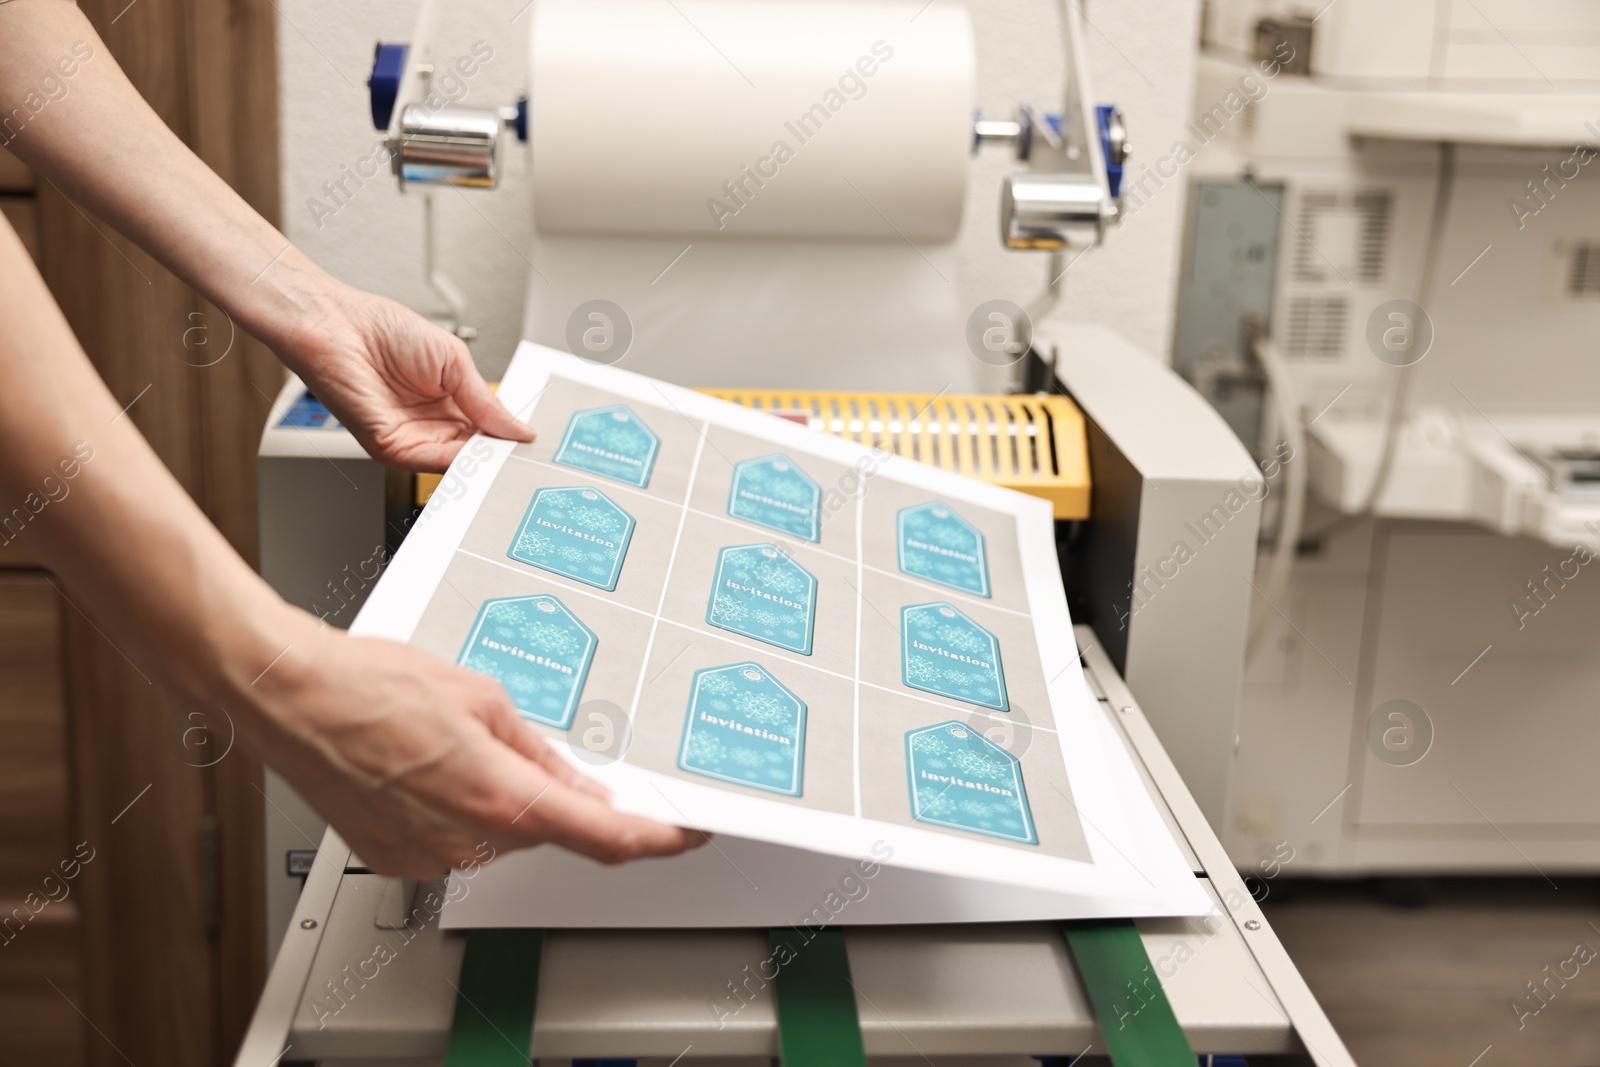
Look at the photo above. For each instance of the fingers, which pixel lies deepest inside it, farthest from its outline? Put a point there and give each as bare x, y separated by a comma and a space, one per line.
497, 780
426, 441
561, 814
431, 458
478, 402
545, 755
586, 825
508, 726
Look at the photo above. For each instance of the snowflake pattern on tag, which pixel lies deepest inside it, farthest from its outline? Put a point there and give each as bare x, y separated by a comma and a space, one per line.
537, 649
575, 531
940, 546
774, 492
960, 779
944, 652
612, 442
746, 727
758, 591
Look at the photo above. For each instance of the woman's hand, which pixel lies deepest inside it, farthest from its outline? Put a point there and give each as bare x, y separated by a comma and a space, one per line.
407, 389
417, 762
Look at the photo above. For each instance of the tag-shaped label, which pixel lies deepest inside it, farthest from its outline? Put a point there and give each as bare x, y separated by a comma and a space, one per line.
576, 531
610, 442
941, 546
960, 779
537, 649
762, 593
745, 727
774, 493
944, 652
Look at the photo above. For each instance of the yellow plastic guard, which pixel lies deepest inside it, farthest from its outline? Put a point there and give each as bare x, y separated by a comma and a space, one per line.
1034, 444
423, 486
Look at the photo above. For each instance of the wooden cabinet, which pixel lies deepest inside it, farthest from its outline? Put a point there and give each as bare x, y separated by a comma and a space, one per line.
14, 177
40, 949
23, 214
18, 202
154, 953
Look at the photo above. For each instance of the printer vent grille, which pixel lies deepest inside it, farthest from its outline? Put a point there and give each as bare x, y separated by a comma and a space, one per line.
1343, 235
1583, 270
1316, 327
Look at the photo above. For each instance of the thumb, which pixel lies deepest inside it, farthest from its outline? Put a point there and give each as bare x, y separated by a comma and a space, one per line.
478, 402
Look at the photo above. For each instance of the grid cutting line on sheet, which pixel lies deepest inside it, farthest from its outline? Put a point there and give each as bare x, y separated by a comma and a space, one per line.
755, 648
856, 560
859, 725
855, 728
655, 624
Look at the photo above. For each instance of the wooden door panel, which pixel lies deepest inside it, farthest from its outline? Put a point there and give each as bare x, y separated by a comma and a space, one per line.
39, 920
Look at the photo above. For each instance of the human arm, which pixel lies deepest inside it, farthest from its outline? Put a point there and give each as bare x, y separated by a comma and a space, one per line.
415, 761
407, 389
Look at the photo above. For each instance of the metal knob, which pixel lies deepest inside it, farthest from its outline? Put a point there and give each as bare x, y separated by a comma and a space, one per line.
448, 146
1116, 136
1020, 132
1051, 211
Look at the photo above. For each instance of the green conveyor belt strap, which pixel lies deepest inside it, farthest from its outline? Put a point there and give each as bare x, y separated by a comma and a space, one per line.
817, 1021
495, 999
1139, 1026
818, 1025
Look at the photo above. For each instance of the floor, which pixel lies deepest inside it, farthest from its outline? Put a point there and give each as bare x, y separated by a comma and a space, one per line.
1446, 983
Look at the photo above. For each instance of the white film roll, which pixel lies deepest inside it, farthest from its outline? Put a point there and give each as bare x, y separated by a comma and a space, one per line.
750, 118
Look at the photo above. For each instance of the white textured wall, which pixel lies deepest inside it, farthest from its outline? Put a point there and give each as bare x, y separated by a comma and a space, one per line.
1141, 53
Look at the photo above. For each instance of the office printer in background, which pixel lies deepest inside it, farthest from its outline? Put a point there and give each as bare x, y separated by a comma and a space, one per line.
1392, 271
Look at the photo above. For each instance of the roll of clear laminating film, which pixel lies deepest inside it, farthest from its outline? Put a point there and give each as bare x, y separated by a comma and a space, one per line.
748, 118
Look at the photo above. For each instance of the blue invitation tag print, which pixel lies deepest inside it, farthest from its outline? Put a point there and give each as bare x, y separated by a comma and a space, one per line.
960, 779
745, 727
575, 531
611, 442
761, 593
537, 649
941, 546
944, 652
775, 493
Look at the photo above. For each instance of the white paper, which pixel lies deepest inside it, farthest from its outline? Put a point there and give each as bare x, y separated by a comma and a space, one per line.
1102, 848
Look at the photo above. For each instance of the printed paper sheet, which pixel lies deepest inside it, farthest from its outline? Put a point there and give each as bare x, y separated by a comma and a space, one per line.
828, 656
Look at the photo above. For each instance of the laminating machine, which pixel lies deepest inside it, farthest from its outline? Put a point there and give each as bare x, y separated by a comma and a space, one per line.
1129, 455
